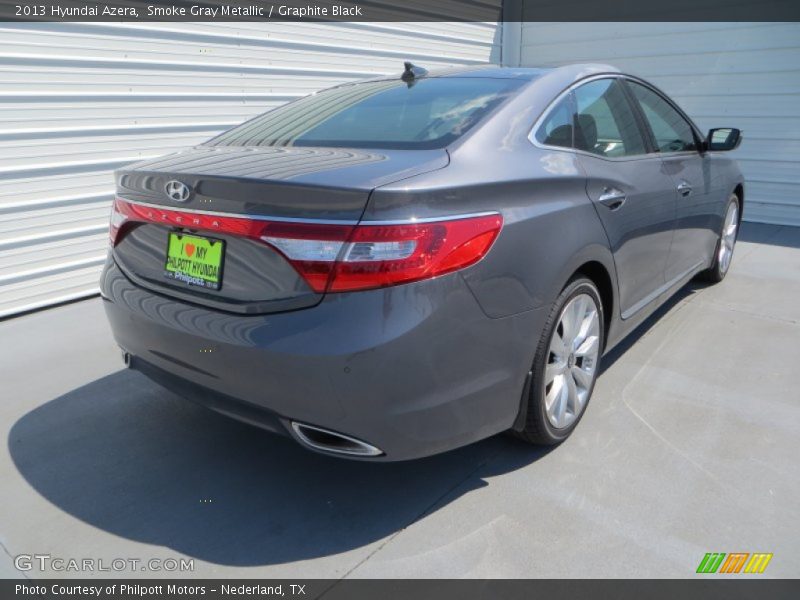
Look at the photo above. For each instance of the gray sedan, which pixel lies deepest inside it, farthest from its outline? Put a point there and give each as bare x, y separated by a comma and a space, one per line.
397, 267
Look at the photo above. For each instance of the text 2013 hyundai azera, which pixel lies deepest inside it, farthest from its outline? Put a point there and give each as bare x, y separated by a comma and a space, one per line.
397, 267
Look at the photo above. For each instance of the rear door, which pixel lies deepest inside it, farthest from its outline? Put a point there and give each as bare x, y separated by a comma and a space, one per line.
633, 195
690, 171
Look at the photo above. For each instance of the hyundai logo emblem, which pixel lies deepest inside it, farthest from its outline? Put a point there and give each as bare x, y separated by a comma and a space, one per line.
177, 191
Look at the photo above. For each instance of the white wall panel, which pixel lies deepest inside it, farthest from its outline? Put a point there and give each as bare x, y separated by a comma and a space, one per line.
744, 75
78, 100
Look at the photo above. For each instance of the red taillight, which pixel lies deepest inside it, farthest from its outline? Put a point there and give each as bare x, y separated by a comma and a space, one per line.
339, 258
384, 255
117, 220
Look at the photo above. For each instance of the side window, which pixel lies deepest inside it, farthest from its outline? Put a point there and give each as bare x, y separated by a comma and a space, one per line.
605, 124
556, 129
670, 129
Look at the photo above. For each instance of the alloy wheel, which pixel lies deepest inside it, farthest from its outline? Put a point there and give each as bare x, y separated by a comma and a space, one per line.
728, 237
572, 363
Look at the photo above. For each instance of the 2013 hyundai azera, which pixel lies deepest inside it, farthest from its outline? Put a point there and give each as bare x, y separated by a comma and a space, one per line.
401, 266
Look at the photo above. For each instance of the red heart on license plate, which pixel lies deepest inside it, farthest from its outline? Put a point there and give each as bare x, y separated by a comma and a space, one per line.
189, 249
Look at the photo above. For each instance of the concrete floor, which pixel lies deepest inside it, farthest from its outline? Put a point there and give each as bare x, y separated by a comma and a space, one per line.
690, 445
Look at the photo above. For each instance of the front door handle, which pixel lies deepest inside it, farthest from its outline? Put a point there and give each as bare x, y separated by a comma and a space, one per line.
612, 198
684, 188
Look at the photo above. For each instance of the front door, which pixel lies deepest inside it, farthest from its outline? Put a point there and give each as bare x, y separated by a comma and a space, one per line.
697, 219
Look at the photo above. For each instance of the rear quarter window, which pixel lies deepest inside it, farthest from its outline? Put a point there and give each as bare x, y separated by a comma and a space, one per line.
557, 128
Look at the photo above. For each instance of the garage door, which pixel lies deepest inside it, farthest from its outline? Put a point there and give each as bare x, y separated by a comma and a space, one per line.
744, 75
79, 100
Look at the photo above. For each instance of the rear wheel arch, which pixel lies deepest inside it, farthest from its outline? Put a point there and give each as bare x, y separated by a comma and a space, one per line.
599, 275
552, 367
597, 264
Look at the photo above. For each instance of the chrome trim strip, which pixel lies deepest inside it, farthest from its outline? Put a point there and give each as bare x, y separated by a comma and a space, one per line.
414, 220
550, 107
213, 213
658, 291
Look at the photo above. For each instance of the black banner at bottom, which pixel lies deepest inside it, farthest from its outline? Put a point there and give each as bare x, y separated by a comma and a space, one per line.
411, 589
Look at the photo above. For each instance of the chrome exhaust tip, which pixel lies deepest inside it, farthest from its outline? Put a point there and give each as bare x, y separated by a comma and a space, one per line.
330, 441
126, 358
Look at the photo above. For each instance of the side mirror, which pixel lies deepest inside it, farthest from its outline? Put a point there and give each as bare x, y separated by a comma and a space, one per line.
723, 139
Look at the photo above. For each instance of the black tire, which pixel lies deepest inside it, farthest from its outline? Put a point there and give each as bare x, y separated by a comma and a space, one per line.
715, 273
537, 429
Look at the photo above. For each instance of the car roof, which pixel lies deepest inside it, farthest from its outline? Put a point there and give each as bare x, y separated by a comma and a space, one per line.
567, 73
491, 72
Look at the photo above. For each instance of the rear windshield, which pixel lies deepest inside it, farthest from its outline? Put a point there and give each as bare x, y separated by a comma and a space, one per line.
431, 113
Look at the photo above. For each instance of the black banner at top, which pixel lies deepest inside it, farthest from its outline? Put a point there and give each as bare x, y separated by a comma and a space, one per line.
399, 10
251, 10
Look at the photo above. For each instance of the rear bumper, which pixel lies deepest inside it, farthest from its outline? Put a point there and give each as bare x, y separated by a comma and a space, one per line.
413, 370
209, 398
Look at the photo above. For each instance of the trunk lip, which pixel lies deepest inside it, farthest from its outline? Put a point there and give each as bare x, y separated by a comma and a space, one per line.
413, 163
406, 221
254, 217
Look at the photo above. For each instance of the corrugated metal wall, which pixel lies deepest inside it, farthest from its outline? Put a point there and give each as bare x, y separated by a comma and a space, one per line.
79, 100
744, 75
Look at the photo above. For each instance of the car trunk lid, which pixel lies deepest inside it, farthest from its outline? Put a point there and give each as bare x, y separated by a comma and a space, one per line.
226, 188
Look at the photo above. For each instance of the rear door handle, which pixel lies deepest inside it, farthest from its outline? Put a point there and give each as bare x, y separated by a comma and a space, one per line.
684, 188
612, 198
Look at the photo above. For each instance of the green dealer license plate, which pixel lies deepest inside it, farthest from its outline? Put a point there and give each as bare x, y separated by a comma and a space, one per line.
195, 260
